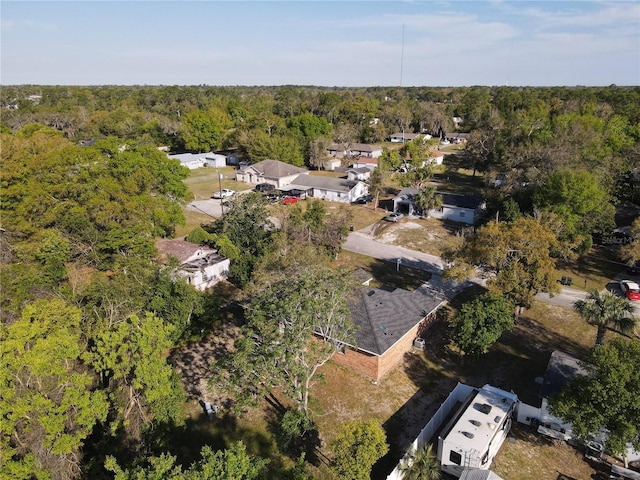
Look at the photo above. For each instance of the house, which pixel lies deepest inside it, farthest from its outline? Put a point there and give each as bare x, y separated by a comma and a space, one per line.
471, 425
436, 158
364, 150
332, 164
275, 172
360, 173
403, 137
456, 137
326, 188
200, 266
354, 150
337, 150
562, 369
455, 207
367, 162
197, 160
387, 321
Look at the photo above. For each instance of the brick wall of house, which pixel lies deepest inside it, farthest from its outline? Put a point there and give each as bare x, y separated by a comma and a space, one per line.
360, 362
376, 367
393, 356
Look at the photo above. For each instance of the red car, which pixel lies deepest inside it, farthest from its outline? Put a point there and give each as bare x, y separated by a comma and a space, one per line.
630, 289
289, 200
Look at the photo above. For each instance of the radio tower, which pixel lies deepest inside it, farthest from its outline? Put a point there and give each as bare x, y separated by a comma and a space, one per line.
402, 55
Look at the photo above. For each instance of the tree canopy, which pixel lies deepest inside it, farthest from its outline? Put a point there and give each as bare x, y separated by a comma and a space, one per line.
293, 328
480, 323
357, 447
607, 397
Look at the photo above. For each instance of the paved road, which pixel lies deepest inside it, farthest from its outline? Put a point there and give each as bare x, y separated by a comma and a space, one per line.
362, 242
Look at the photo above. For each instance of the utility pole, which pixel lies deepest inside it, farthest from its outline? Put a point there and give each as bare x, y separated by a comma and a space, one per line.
220, 190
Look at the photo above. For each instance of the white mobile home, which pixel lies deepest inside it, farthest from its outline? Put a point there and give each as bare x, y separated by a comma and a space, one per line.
476, 422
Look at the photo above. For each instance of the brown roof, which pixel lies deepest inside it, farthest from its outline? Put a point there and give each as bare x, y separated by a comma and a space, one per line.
180, 249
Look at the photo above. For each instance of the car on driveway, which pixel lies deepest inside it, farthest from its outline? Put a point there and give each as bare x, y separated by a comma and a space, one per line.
393, 217
288, 200
363, 199
264, 188
224, 193
630, 289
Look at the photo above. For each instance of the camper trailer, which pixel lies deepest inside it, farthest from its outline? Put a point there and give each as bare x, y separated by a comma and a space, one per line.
476, 431
470, 427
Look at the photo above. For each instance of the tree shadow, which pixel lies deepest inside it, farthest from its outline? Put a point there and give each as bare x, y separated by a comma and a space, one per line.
297, 439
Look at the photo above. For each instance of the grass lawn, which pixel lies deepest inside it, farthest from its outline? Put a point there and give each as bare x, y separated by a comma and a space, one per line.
202, 182
597, 268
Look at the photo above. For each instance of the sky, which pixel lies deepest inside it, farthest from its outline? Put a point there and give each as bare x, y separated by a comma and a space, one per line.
323, 43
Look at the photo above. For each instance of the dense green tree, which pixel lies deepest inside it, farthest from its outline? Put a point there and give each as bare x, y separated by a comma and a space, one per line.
481, 323
377, 181
578, 200
233, 463
203, 131
606, 398
48, 401
631, 251
294, 326
428, 199
516, 257
246, 224
131, 360
421, 464
390, 159
257, 146
356, 447
606, 310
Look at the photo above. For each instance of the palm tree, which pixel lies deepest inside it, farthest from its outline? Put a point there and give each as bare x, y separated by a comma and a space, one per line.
421, 464
428, 199
606, 310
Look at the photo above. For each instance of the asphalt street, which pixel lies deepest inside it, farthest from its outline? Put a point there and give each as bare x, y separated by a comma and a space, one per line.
361, 242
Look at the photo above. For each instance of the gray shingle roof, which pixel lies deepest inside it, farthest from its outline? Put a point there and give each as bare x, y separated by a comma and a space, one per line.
275, 168
384, 316
327, 183
562, 369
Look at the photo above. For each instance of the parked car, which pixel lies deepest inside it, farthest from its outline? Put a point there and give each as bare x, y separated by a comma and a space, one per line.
289, 200
630, 289
634, 269
264, 188
271, 197
393, 217
363, 199
224, 193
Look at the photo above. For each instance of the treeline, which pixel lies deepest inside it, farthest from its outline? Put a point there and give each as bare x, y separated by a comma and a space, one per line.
513, 127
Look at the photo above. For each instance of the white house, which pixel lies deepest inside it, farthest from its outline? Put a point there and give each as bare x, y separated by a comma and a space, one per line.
477, 423
455, 207
200, 266
364, 150
327, 188
360, 173
354, 150
403, 137
197, 160
275, 172
561, 371
436, 158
